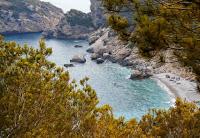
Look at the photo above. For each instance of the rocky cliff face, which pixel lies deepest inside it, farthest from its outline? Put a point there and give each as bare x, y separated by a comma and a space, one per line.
78, 25
97, 13
74, 25
28, 16
105, 41
99, 16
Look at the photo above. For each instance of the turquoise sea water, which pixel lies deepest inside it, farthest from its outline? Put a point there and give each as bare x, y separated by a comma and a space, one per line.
128, 98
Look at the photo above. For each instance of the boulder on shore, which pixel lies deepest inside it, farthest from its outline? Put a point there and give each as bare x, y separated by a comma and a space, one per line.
167, 76
136, 74
90, 50
100, 61
94, 56
68, 65
112, 59
126, 63
101, 50
92, 39
106, 55
78, 59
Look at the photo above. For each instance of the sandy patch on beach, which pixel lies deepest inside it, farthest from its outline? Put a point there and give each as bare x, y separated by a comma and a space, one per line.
179, 86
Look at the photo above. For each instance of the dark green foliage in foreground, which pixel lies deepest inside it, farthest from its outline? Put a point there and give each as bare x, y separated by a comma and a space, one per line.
37, 99
160, 25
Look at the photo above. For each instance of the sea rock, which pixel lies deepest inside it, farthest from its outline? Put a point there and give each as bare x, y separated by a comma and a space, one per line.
100, 61
68, 65
126, 62
167, 76
140, 74
112, 59
101, 50
94, 56
26, 16
92, 39
94, 36
173, 78
106, 56
136, 74
90, 50
78, 46
121, 54
78, 59
121, 57
178, 78
148, 72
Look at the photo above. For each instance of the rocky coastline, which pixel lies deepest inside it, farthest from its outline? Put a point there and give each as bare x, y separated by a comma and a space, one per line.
104, 44
28, 16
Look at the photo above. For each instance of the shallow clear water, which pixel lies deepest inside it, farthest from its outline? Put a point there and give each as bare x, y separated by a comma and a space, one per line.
128, 98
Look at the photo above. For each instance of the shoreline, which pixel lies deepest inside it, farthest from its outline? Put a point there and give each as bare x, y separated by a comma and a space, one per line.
180, 87
105, 41
174, 85
166, 88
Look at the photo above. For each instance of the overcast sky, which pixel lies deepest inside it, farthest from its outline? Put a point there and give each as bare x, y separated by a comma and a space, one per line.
66, 5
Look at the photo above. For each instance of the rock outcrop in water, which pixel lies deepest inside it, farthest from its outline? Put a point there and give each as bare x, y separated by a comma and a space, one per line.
68, 65
78, 59
75, 25
141, 74
28, 16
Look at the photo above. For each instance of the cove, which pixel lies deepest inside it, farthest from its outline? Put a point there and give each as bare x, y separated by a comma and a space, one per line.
127, 98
